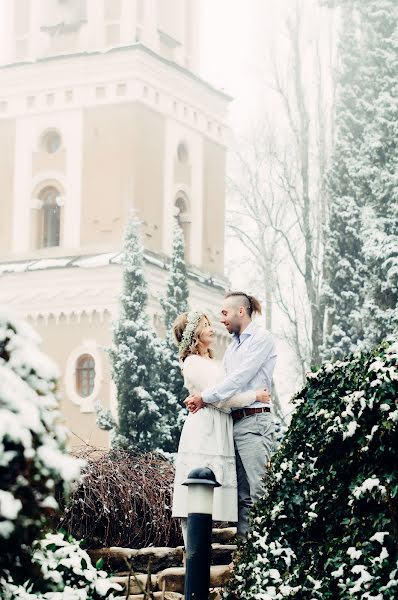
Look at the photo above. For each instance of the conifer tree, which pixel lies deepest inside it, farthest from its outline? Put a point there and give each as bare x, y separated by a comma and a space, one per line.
175, 303
136, 357
344, 261
362, 249
380, 167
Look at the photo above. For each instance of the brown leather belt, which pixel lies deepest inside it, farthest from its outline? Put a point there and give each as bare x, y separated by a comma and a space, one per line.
239, 414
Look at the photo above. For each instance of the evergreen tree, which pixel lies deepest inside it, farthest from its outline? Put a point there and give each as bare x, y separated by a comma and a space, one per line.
175, 303
362, 250
344, 261
136, 357
380, 167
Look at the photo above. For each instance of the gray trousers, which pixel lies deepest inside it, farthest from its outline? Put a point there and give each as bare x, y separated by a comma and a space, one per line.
254, 440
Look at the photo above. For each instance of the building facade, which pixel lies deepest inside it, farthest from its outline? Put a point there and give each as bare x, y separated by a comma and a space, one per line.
103, 112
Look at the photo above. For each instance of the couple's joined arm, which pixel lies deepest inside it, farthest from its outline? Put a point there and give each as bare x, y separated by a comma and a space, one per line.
196, 378
262, 348
237, 401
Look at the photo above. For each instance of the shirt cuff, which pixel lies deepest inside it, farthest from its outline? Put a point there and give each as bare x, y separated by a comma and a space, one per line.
207, 397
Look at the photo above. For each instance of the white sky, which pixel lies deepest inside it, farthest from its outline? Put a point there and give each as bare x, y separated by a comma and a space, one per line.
233, 42
237, 37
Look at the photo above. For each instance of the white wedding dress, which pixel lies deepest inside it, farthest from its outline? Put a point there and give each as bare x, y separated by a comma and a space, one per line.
207, 440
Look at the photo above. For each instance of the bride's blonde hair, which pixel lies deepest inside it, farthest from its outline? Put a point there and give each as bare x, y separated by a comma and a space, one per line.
192, 346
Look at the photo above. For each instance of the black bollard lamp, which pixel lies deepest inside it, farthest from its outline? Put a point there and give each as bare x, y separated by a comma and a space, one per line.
201, 483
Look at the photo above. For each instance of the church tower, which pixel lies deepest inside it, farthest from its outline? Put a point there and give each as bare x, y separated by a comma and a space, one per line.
103, 111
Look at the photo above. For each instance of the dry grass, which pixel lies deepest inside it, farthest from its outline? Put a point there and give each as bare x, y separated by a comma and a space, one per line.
123, 499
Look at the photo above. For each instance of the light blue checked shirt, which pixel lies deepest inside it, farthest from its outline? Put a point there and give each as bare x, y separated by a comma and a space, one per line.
249, 363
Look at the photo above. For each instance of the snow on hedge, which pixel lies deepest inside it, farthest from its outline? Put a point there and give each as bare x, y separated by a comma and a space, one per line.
66, 572
327, 527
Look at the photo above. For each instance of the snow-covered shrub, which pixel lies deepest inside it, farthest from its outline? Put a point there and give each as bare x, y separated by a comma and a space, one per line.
64, 563
35, 469
103, 417
64, 571
327, 524
34, 465
281, 429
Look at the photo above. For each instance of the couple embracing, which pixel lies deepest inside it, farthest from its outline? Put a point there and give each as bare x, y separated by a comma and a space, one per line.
230, 427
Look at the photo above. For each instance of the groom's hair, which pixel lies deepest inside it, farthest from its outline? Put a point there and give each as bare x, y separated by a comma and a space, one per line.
250, 303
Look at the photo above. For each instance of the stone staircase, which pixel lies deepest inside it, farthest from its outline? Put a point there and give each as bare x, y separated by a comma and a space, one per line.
166, 567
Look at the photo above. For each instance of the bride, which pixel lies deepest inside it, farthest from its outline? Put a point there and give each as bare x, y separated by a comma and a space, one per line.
207, 436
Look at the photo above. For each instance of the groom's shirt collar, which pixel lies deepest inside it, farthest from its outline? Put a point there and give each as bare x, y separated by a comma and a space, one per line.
250, 329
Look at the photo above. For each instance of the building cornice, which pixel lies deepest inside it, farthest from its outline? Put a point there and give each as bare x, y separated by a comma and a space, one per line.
132, 47
128, 74
61, 291
90, 261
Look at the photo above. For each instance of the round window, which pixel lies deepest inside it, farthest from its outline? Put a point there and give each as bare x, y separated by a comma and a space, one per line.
51, 142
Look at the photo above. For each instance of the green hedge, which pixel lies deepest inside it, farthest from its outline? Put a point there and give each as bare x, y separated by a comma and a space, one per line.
327, 526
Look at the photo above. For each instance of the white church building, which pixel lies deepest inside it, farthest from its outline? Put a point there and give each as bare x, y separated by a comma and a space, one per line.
103, 112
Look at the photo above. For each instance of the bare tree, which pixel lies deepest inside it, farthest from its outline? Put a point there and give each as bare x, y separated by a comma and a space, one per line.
258, 215
281, 204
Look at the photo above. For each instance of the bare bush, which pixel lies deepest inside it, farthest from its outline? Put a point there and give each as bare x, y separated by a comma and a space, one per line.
122, 499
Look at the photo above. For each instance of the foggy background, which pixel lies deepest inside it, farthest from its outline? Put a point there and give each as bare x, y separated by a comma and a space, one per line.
244, 45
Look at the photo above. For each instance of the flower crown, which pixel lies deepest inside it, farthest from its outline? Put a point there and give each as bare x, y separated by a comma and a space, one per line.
187, 336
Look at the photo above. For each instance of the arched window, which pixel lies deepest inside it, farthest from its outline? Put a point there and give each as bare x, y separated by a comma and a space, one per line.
85, 375
182, 153
51, 141
50, 218
181, 205
184, 220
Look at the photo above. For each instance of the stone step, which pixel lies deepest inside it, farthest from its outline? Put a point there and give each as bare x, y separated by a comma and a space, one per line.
156, 595
221, 554
173, 579
161, 558
215, 593
223, 536
116, 559
137, 582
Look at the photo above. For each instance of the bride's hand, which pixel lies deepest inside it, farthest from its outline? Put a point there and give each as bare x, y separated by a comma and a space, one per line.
263, 396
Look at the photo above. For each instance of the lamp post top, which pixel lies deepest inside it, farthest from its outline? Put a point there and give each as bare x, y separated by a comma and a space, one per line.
202, 476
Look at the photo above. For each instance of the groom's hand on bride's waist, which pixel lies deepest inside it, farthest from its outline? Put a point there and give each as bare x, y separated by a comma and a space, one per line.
194, 403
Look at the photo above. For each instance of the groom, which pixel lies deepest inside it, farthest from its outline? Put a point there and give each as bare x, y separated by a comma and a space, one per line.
249, 363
